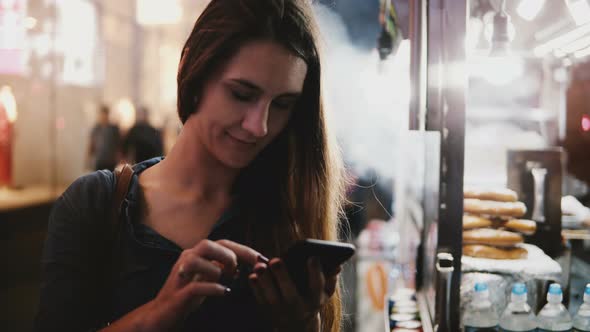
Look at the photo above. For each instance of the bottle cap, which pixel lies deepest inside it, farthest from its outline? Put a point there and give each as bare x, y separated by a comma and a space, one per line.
555, 294
481, 286
519, 288
519, 292
555, 289
482, 292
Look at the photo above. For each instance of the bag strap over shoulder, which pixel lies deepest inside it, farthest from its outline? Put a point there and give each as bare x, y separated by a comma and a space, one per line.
123, 175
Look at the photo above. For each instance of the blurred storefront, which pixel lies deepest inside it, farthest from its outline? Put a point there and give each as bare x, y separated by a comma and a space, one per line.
63, 58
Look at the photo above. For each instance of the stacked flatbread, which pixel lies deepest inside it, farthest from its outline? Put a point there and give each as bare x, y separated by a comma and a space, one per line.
491, 228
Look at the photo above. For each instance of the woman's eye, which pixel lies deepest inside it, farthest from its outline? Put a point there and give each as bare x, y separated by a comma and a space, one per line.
283, 105
242, 96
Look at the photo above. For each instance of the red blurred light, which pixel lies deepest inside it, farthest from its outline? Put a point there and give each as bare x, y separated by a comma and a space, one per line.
586, 123
60, 123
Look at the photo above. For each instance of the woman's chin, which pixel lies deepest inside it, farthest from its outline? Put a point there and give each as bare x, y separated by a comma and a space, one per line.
237, 162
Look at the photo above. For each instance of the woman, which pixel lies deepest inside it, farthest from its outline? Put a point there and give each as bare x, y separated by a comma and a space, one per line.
252, 171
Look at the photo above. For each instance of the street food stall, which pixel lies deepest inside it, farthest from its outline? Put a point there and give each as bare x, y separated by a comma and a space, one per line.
481, 180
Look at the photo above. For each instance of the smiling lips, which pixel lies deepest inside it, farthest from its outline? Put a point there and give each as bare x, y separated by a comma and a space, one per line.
241, 141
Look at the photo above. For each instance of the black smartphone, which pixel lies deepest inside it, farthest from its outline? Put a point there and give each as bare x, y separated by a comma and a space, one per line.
330, 253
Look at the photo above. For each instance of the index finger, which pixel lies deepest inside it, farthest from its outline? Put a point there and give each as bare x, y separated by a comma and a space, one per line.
244, 253
216, 252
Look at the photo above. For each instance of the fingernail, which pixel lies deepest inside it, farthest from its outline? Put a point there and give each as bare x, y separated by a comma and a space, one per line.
262, 259
227, 291
181, 272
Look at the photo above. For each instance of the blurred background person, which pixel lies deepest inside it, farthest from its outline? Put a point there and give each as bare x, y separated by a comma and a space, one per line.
143, 141
105, 140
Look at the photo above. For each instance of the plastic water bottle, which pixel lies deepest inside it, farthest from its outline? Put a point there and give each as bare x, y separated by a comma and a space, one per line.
480, 316
518, 316
554, 316
582, 318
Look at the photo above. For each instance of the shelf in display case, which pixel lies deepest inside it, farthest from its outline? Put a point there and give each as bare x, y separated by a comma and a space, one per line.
14, 199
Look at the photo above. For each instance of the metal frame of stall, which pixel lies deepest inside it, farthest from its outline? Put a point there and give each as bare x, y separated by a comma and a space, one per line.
439, 90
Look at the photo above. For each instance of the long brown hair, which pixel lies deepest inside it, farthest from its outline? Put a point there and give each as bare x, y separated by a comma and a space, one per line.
294, 189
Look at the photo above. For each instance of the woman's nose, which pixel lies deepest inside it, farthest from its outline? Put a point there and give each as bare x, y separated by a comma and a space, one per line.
256, 120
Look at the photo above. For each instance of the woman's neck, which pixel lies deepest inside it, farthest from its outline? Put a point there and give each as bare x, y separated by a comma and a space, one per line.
191, 169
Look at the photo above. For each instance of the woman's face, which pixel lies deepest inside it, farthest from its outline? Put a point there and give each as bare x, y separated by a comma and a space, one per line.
246, 104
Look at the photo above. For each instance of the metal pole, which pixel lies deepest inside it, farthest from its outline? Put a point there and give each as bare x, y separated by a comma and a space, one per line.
434, 104
453, 97
418, 64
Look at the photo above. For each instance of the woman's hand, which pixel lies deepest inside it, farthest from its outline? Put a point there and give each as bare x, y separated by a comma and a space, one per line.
195, 275
276, 292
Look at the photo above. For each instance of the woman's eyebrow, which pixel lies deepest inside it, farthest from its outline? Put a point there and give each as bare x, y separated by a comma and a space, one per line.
255, 87
247, 84
290, 95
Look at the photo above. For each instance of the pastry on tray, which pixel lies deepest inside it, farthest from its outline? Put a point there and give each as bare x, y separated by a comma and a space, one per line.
493, 208
499, 195
483, 251
493, 237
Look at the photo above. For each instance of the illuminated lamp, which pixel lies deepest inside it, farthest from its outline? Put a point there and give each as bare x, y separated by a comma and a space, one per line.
501, 37
529, 9
580, 11
8, 115
585, 123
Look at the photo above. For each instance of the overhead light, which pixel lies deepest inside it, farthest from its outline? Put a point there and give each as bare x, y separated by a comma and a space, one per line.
30, 23
546, 32
558, 53
124, 113
585, 123
576, 45
528, 9
501, 34
8, 102
582, 53
580, 11
562, 40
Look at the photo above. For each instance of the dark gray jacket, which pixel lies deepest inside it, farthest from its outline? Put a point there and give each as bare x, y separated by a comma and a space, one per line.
74, 293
